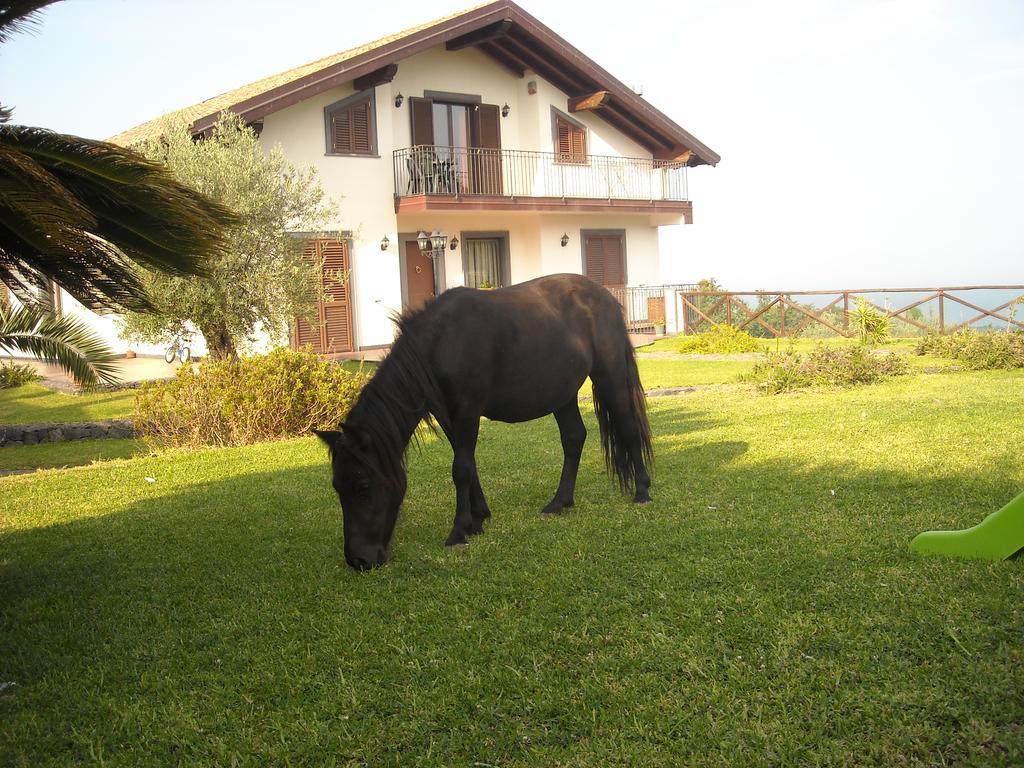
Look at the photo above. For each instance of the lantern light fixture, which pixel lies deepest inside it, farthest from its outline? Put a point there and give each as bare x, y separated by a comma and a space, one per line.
565, 240
454, 243
398, 100
505, 110
432, 245
384, 243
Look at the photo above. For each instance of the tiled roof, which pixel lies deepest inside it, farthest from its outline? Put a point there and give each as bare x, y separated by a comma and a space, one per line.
230, 98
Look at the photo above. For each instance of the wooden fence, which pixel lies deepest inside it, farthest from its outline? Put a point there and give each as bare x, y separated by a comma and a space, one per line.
699, 310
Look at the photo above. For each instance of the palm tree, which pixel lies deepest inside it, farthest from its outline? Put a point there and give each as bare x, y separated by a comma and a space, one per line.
87, 215
65, 341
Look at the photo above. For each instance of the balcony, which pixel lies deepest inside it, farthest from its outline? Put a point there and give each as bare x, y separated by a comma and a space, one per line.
467, 178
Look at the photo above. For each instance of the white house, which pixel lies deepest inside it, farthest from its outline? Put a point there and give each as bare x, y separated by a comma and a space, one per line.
484, 127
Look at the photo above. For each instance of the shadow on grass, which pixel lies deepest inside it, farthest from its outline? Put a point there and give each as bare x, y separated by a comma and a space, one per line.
220, 618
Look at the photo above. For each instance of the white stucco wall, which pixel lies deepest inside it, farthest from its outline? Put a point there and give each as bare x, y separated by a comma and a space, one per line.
363, 187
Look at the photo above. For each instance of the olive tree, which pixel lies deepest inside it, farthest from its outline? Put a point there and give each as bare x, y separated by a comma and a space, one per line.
261, 280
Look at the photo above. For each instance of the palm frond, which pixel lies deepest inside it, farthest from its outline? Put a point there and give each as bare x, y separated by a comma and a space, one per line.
20, 16
59, 340
87, 214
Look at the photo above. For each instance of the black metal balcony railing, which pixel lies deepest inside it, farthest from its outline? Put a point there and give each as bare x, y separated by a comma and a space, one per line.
468, 171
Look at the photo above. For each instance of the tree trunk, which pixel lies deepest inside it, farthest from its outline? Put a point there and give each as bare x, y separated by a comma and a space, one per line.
219, 343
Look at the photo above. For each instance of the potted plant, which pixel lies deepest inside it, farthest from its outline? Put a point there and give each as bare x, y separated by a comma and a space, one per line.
486, 285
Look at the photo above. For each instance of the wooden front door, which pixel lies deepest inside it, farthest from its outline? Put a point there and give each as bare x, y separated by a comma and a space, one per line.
332, 332
419, 276
604, 258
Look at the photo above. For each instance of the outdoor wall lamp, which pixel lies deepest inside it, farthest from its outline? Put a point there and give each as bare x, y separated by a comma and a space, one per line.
505, 110
565, 240
454, 243
384, 243
398, 100
432, 245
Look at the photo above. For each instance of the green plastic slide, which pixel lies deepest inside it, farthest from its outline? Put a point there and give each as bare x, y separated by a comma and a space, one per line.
997, 537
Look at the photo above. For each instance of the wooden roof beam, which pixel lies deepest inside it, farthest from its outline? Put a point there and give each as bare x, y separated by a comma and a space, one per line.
589, 101
538, 65
378, 77
482, 35
555, 59
507, 60
655, 143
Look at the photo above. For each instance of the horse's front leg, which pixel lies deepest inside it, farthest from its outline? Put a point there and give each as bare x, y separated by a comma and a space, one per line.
467, 484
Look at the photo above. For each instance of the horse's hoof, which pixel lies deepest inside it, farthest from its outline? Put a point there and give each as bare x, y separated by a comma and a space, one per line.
456, 540
555, 508
642, 498
457, 545
477, 528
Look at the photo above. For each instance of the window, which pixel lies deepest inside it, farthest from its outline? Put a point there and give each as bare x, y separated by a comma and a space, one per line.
604, 257
485, 259
350, 124
570, 142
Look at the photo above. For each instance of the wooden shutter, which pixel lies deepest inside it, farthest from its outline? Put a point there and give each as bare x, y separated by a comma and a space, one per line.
604, 260
485, 156
489, 130
333, 329
352, 129
304, 333
337, 313
570, 142
422, 112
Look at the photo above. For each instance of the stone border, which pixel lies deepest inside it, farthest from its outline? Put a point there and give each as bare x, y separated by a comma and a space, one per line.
33, 434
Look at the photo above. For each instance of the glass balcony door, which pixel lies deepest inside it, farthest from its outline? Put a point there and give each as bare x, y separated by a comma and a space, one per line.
451, 140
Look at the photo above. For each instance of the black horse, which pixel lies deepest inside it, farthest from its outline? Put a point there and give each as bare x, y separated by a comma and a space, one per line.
512, 355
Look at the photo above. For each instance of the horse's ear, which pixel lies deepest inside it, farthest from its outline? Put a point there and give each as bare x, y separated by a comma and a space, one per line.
331, 438
356, 437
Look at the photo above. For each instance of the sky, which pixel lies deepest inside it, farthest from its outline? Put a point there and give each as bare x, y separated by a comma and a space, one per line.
864, 143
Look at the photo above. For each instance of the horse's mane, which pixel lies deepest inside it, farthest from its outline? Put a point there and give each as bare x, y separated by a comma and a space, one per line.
403, 391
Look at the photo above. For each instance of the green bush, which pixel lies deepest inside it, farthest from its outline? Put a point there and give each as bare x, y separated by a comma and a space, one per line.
872, 326
977, 350
15, 374
250, 400
722, 339
824, 367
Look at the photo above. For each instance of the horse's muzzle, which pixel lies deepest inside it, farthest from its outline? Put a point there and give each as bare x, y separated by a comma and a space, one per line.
363, 562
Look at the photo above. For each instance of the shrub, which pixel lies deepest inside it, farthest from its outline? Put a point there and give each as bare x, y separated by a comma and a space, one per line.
824, 367
977, 350
722, 339
872, 326
250, 400
15, 374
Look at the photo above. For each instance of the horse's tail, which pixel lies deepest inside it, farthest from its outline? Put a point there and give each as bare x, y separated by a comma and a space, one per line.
621, 407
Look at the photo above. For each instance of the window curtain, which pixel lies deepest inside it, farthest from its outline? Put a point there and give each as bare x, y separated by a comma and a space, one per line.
483, 262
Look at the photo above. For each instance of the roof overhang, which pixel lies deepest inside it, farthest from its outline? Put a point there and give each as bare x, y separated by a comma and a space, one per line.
517, 41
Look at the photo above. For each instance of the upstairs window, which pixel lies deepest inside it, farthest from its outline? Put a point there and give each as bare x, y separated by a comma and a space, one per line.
350, 124
570, 142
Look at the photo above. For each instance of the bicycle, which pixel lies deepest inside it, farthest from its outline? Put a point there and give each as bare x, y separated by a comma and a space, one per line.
179, 348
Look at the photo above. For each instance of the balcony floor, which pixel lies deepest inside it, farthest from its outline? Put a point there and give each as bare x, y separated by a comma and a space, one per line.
425, 203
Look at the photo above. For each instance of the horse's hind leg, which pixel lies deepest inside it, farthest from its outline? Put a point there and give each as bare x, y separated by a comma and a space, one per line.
478, 505
574, 434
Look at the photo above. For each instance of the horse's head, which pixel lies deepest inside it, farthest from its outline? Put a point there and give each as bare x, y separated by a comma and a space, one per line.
369, 502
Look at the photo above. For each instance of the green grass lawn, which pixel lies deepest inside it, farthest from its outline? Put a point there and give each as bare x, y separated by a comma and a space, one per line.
764, 610
34, 404
907, 346
71, 453
658, 373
